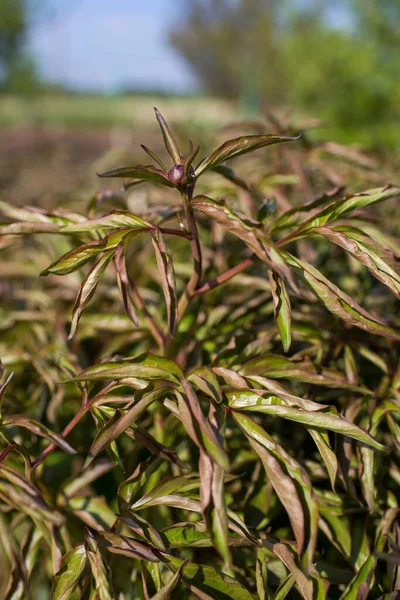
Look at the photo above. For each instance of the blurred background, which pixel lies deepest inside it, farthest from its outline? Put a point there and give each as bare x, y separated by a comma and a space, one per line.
78, 78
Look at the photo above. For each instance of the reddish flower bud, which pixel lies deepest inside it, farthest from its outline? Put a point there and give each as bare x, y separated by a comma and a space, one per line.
176, 175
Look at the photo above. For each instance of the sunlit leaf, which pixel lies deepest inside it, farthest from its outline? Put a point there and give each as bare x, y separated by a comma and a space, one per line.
100, 570
238, 146
282, 311
169, 139
66, 580
142, 172
339, 303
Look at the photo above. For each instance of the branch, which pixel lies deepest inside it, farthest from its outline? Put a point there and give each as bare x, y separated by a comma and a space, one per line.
220, 279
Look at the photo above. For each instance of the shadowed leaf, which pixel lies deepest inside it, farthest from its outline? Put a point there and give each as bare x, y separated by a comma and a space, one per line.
88, 288
166, 269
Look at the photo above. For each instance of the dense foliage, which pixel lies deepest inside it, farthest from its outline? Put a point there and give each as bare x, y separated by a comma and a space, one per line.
219, 417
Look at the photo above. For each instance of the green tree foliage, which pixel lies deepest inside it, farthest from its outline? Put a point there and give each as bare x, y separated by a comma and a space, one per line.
13, 24
296, 54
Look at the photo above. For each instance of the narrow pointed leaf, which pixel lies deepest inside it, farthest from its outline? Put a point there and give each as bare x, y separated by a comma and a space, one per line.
124, 285
88, 288
250, 231
147, 366
38, 428
71, 261
314, 419
127, 546
286, 476
282, 310
166, 590
154, 157
66, 580
238, 146
381, 264
117, 219
169, 140
339, 303
359, 587
120, 422
166, 269
141, 172
100, 570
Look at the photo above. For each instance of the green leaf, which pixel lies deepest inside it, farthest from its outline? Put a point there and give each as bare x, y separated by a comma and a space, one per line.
120, 422
339, 208
166, 590
154, 157
287, 477
125, 285
145, 366
77, 482
117, 219
100, 570
66, 580
207, 582
141, 172
3, 387
198, 427
282, 311
127, 546
166, 269
169, 140
284, 588
323, 444
145, 530
359, 587
250, 231
71, 261
237, 147
88, 288
93, 511
361, 247
339, 303
38, 428
205, 380
281, 367
166, 487
33, 541
251, 401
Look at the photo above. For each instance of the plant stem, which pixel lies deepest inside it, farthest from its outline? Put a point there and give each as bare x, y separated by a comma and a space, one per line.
81, 412
197, 258
154, 328
177, 232
220, 279
85, 407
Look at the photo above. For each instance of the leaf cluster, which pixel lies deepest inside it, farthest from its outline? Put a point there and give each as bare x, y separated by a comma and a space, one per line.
225, 391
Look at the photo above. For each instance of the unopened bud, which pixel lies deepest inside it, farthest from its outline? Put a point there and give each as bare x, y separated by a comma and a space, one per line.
177, 174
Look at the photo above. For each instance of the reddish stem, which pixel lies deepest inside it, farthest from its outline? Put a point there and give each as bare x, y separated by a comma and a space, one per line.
220, 279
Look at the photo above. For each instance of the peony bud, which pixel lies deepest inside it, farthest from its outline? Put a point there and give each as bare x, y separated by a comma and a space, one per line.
176, 175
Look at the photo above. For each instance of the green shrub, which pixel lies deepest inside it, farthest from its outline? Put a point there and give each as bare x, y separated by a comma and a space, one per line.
205, 449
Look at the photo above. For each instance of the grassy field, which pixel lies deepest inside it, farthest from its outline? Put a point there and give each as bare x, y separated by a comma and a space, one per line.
109, 111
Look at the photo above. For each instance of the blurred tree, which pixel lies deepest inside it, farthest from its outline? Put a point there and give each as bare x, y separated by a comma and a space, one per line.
340, 61
13, 25
18, 73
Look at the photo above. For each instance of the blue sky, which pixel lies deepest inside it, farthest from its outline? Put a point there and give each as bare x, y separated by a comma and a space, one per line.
103, 44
